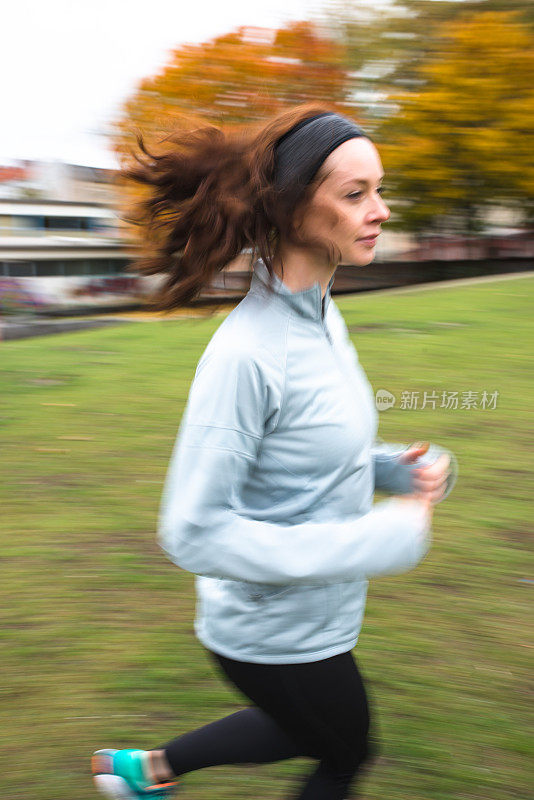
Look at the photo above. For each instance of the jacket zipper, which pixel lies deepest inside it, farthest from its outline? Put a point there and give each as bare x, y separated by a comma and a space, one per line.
338, 365
323, 323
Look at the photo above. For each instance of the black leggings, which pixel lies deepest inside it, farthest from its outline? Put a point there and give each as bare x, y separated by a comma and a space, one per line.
317, 710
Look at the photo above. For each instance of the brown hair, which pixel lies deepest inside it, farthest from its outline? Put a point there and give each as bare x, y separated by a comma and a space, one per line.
211, 195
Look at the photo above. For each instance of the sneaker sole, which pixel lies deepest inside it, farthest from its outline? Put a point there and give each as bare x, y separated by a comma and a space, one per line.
108, 784
114, 787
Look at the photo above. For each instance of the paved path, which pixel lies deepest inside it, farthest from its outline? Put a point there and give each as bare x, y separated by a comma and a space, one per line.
24, 327
420, 287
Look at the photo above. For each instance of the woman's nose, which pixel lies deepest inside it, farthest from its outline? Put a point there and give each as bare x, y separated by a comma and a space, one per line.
380, 211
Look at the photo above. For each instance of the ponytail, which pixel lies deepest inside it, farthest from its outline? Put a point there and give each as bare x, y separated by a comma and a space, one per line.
199, 215
210, 196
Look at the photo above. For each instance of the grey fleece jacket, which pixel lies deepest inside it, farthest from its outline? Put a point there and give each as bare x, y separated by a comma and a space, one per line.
268, 497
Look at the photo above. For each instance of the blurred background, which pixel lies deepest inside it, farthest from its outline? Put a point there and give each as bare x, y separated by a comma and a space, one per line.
444, 88
98, 648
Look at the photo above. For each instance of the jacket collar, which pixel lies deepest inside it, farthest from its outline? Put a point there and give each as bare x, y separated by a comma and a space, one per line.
306, 302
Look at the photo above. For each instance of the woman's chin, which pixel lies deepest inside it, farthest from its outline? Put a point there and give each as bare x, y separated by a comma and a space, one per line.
358, 259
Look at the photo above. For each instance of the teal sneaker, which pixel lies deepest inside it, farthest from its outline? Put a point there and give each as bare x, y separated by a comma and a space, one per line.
118, 774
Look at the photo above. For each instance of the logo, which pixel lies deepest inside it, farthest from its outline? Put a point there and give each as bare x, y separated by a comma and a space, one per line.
384, 400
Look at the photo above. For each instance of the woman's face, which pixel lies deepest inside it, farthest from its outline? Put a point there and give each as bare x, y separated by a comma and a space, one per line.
347, 206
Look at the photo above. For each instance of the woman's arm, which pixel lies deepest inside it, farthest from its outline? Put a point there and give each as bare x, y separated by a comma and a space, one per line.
203, 528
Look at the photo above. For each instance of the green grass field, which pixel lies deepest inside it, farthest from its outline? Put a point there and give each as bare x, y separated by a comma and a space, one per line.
98, 644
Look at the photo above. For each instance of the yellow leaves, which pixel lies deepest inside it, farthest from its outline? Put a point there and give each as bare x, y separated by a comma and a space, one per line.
466, 137
465, 131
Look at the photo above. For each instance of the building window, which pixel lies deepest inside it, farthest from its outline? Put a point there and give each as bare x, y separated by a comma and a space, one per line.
63, 223
45, 269
99, 225
99, 266
20, 269
118, 265
30, 222
76, 267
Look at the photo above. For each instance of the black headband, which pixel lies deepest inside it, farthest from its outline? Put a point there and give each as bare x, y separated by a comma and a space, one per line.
301, 151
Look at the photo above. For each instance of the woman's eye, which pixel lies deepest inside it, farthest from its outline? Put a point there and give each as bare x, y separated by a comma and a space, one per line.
356, 195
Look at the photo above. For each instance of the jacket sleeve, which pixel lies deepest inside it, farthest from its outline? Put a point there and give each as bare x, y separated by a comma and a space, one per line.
396, 478
202, 526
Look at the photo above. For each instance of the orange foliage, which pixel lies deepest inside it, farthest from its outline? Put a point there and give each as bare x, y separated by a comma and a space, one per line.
238, 78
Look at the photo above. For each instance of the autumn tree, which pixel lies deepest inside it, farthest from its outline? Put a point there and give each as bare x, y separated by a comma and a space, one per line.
234, 79
465, 140
238, 78
420, 31
387, 43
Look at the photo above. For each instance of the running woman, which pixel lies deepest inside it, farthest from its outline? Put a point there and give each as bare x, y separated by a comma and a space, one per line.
268, 498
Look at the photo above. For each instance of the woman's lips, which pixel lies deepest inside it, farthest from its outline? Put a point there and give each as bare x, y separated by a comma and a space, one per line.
369, 240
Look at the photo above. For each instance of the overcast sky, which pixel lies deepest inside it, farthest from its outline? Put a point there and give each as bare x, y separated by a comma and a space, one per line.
66, 65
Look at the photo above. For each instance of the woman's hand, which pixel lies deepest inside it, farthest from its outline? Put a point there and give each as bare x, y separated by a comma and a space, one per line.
429, 482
